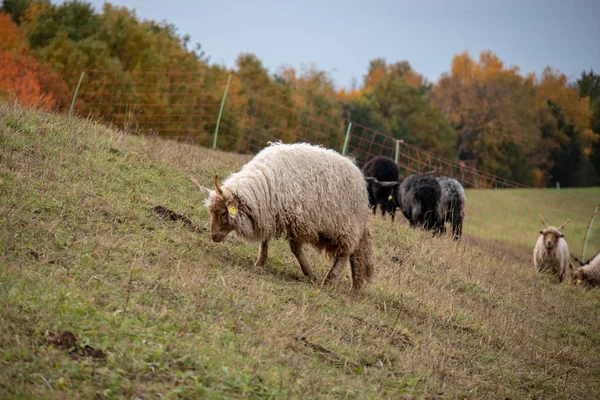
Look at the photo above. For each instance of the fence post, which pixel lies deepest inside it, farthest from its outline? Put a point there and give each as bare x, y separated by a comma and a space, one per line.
221, 111
397, 150
587, 233
75, 94
347, 137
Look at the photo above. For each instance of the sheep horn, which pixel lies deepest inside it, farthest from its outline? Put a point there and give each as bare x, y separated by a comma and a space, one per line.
565, 224
217, 188
543, 220
388, 184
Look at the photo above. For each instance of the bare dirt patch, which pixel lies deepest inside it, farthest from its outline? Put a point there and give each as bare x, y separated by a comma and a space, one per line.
67, 341
170, 215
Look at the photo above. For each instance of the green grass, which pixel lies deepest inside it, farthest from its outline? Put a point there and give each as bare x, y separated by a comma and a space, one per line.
178, 316
511, 216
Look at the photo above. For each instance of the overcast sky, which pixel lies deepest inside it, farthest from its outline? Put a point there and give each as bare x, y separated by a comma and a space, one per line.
342, 36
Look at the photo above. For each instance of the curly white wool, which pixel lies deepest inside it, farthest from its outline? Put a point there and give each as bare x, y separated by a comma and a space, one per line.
302, 191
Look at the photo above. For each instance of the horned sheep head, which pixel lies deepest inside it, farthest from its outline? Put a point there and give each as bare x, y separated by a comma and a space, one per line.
376, 184
223, 208
552, 234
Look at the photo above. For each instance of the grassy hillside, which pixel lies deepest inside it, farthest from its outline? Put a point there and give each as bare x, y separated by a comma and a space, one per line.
158, 310
510, 217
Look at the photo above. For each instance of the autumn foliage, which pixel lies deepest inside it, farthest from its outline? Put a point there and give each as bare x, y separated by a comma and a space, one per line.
32, 84
515, 126
537, 130
13, 38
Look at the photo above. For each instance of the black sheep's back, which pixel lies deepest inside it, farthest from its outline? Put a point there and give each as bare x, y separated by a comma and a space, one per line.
382, 168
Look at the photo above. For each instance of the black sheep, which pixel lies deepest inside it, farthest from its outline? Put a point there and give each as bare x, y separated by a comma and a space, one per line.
378, 172
419, 198
453, 204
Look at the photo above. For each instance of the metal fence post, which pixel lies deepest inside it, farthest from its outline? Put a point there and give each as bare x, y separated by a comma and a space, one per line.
397, 150
347, 137
75, 94
587, 233
221, 111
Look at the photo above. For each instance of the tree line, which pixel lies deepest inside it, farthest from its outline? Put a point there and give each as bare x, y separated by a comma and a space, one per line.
537, 130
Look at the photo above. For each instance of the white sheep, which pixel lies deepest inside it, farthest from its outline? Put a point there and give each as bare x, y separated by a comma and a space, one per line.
551, 252
589, 272
307, 194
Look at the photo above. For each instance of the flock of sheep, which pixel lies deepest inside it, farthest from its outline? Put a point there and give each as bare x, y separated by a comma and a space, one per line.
551, 254
312, 195
425, 201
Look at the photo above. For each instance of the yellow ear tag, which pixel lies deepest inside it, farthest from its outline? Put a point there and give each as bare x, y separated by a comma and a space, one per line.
232, 210
390, 197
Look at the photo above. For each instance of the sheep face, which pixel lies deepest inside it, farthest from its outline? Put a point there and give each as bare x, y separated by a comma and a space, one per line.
383, 192
579, 276
222, 212
551, 237
225, 212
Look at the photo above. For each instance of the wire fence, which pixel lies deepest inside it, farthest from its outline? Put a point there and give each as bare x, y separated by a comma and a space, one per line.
234, 114
187, 106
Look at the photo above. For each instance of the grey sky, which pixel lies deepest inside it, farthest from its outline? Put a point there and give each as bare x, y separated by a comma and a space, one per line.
342, 36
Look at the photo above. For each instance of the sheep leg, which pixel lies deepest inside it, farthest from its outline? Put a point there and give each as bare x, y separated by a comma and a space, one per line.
456, 224
333, 273
263, 254
458, 227
358, 276
561, 275
296, 248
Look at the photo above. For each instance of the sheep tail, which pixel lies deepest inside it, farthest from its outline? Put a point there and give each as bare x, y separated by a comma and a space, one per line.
361, 261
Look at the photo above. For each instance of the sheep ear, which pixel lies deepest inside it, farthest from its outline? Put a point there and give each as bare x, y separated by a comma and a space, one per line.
232, 207
562, 236
541, 232
204, 190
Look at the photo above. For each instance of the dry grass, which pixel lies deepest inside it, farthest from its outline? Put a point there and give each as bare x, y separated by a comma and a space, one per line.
178, 316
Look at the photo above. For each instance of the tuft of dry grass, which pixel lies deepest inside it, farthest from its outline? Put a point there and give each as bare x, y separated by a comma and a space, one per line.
83, 251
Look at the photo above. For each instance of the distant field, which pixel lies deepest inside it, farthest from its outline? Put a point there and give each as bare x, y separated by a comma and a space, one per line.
102, 297
511, 216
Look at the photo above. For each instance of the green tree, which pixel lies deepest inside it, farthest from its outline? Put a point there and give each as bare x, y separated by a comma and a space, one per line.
401, 97
70, 58
77, 19
269, 110
18, 8
589, 86
568, 157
